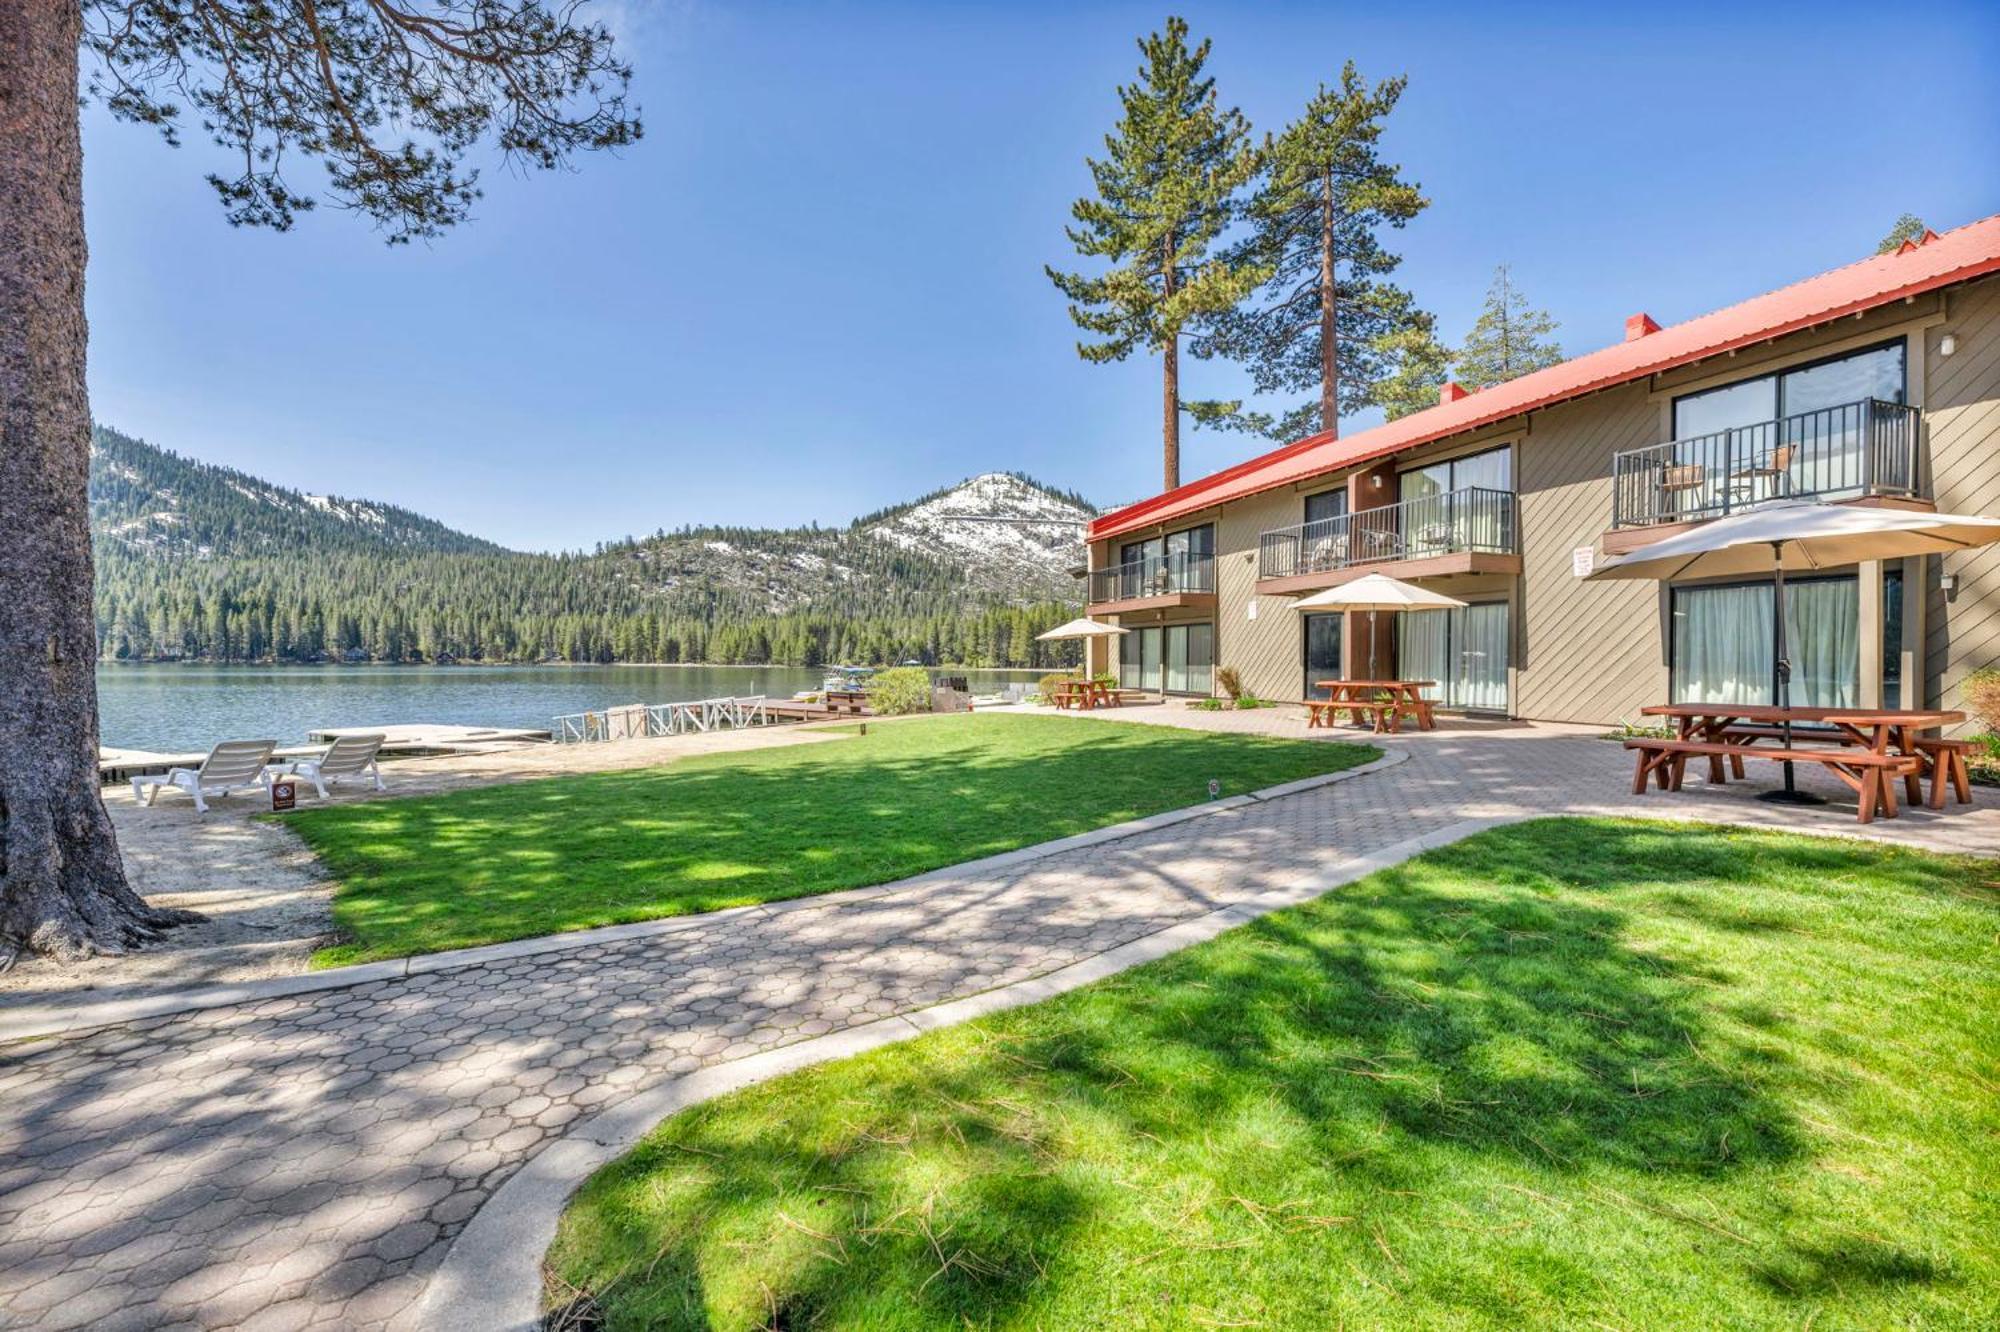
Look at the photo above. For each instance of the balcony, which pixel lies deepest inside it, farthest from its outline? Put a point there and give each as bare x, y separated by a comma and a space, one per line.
1473, 530
1859, 450
1155, 583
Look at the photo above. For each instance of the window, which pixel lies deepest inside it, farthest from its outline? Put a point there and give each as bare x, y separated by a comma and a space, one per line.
1435, 523
1174, 658
1875, 372
1805, 431
1322, 647
1723, 648
1464, 651
1892, 639
1326, 505
1178, 562
1493, 470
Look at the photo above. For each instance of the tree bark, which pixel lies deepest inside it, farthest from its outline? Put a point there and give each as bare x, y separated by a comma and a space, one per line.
1329, 342
62, 884
1170, 424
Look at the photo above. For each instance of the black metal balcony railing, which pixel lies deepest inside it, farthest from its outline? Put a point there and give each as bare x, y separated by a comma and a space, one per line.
1155, 576
1454, 522
1858, 448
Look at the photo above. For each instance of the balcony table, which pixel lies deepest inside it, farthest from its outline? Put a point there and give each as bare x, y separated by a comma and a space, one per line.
1888, 742
1362, 697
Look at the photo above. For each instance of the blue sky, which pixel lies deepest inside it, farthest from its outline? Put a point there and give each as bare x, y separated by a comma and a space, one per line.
816, 286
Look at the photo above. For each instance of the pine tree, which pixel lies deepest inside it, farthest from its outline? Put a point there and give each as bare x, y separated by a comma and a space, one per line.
1421, 365
1165, 191
391, 98
1908, 227
1328, 320
1508, 339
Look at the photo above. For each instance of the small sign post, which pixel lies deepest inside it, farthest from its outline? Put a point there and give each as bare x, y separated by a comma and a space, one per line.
284, 795
1214, 788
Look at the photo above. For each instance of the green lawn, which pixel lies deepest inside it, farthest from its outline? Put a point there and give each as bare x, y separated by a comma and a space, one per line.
567, 853
1567, 1074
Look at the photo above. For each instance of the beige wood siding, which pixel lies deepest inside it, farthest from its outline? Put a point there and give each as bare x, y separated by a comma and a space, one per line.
1584, 651
1961, 397
1268, 651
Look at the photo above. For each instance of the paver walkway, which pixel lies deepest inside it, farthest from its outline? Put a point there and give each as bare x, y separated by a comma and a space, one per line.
307, 1161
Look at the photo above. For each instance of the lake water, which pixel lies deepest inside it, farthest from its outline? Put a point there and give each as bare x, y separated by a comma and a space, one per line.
172, 707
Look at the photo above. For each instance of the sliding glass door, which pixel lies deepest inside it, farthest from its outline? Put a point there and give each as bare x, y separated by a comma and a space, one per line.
1173, 659
1463, 650
1323, 635
1723, 648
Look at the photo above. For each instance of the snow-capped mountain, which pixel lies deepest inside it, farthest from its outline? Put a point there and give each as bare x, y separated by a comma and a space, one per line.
940, 545
1029, 551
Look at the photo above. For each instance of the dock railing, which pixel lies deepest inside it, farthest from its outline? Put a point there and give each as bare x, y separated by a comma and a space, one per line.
651, 720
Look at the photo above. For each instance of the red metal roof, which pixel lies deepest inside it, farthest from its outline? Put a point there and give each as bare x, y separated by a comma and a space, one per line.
1958, 255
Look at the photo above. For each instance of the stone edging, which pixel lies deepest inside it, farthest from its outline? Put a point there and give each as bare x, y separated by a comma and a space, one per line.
33, 1022
491, 1277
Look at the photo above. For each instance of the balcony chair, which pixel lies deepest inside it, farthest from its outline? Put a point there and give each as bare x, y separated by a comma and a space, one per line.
1775, 476
1678, 481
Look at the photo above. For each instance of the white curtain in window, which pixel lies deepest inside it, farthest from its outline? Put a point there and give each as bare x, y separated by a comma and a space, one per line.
1480, 637
1823, 635
1722, 644
1421, 638
1201, 658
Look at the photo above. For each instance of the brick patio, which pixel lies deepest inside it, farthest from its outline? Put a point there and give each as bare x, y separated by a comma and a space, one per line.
307, 1161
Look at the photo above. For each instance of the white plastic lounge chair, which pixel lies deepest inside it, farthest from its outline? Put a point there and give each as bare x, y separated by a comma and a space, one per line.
347, 756
231, 764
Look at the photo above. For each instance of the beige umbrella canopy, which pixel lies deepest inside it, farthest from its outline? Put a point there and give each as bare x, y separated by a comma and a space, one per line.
1792, 535
1377, 592
1799, 534
1085, 628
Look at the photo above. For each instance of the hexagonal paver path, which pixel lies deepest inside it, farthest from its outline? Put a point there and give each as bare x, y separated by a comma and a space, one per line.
305, 1162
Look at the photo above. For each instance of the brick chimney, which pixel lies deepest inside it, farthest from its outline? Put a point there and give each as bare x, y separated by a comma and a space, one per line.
1452, 392
1639, 325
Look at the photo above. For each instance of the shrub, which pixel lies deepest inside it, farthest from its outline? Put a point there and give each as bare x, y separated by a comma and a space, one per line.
1106, 678
1206, 705
1982, 696
1249, 700
1229, 682
1046, 686
900, 690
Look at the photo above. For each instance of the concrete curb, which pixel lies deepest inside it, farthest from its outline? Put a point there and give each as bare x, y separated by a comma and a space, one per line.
38, 1021
491, 1278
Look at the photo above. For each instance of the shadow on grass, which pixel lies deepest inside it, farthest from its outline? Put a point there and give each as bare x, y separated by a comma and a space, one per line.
513, 861
1498, 1010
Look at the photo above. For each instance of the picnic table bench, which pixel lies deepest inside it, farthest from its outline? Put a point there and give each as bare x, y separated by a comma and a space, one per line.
1083, 695
1380, 703
1867, 749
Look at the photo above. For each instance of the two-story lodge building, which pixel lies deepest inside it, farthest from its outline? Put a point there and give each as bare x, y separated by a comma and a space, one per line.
1874, 384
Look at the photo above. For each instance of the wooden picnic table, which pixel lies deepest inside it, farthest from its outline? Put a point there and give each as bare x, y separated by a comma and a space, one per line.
1365, 698
1083, 695
1869, 747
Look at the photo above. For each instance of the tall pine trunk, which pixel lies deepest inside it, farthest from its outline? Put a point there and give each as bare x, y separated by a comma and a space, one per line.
1329, 340
1170, 423
62, 884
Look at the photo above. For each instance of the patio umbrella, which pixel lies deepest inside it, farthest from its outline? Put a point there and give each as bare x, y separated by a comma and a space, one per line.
1376, 592
1085, 628
1792, 535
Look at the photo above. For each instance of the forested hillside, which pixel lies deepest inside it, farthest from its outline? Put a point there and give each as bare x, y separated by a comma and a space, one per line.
200, 562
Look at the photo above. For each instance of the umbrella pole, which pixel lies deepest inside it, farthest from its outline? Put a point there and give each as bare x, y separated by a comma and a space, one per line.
1791, 795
